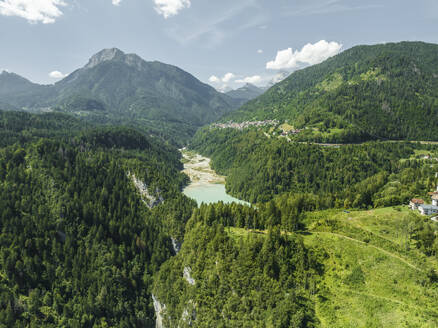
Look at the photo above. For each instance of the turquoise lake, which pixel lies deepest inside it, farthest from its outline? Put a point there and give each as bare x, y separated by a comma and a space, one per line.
206, 185
210, 193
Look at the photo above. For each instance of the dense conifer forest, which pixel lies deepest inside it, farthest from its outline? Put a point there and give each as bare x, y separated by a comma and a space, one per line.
78, 244
259, 168
256, 281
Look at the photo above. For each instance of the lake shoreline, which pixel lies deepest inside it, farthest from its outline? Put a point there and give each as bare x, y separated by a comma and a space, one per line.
206, 186
198, 168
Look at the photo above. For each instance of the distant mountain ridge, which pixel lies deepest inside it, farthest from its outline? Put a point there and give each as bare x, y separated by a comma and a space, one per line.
114, 86
14, 83
244, 94
384, 91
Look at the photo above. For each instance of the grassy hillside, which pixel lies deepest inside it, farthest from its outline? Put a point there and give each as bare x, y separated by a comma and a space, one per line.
375, 274
386, 91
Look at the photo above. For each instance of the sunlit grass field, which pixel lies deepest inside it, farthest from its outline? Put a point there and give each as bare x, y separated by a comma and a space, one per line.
373, 277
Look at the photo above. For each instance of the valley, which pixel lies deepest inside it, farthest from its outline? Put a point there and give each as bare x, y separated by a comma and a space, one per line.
134, 195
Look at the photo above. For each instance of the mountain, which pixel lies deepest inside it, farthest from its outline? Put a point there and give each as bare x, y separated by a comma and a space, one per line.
245, 93
17, 92
118, 87
385, 91
152, 90
13, 83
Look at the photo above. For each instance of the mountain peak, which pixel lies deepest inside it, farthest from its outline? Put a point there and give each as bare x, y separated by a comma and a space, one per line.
114, 54
6, 72
250, 86
105, 55
11, 75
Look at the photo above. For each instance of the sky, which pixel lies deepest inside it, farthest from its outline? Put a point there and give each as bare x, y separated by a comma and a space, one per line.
225, 43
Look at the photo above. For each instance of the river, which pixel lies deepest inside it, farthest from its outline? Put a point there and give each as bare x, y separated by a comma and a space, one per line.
206, 185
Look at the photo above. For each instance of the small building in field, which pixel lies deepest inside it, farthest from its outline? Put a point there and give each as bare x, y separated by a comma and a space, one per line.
415, 203
428, 209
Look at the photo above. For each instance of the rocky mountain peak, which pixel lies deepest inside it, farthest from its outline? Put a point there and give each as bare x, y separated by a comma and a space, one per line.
115, 54
7, 73
105, 55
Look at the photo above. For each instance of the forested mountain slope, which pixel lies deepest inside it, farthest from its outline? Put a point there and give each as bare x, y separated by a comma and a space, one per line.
259, 168
238, 282
385, 91
83, 222
119, 88
280, 266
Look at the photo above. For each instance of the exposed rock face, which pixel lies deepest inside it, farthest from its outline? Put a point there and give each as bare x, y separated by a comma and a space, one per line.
104, 55
115, 54
150, 200
176, 245
188, 276
159, 308
189, 314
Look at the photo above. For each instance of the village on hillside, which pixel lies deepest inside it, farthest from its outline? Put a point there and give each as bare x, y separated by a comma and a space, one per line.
425, 209
244, 125
285, 129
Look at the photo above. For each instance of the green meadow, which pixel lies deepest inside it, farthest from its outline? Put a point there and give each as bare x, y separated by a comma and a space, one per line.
374, 274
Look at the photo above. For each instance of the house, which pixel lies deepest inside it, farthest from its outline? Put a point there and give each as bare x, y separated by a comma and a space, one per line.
434, 198
415, 203
428, 209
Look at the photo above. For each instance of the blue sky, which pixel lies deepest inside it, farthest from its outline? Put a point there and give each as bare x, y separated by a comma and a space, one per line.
221, 42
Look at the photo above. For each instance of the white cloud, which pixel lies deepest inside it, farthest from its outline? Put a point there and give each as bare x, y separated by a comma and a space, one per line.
280, 76
221, 84
57, 75
225, 79
260, 51
116, 2
223, 88
310, 54
44, 11
214, 79
169, 8
250, 79
228, 77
